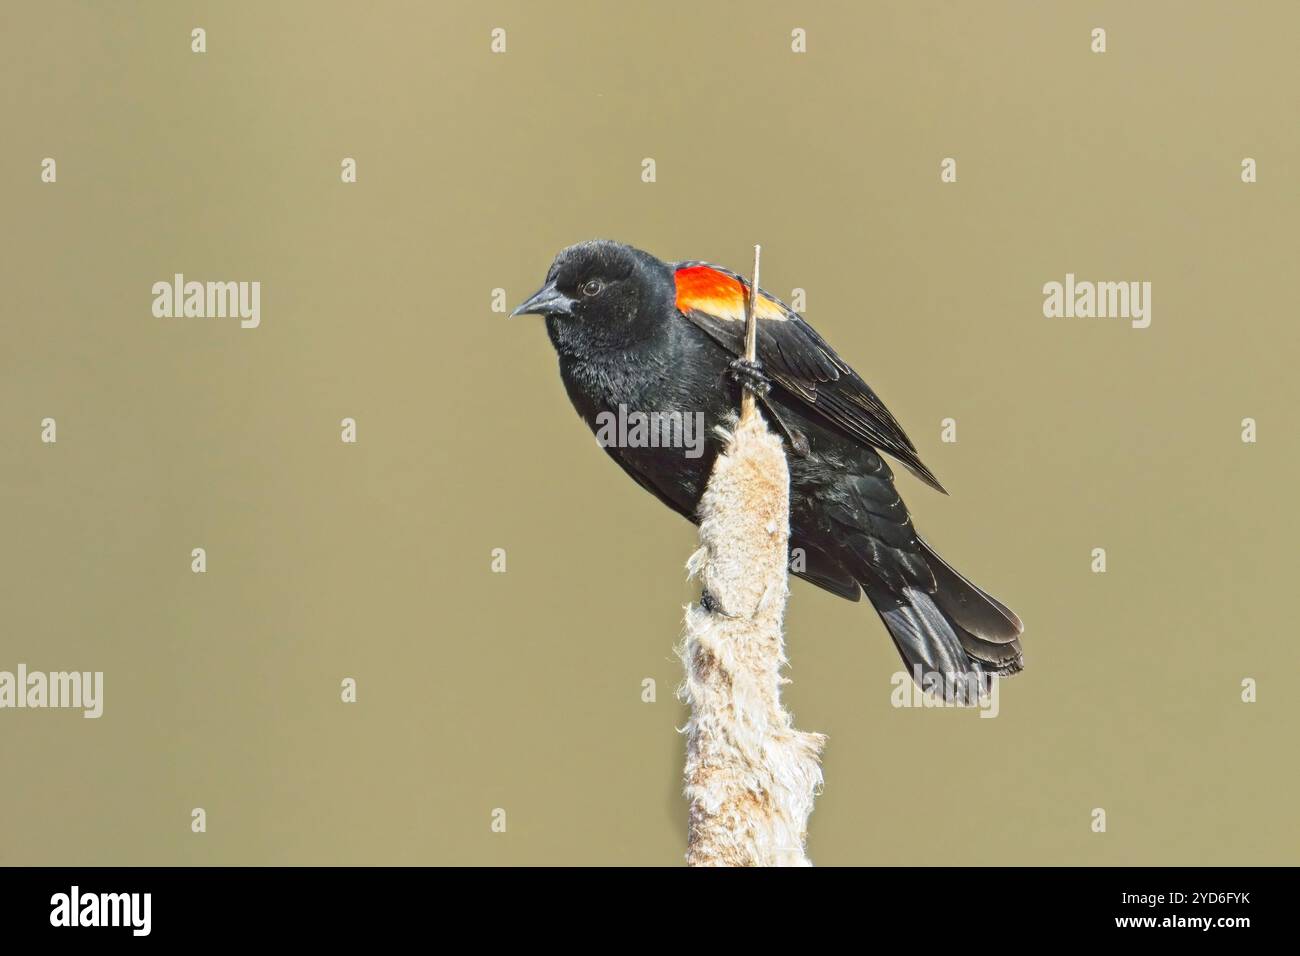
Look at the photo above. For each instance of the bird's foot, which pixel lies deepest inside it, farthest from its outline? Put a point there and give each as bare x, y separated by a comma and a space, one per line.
750, 376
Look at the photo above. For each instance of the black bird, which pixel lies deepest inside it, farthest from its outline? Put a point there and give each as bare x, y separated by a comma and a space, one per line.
634, 331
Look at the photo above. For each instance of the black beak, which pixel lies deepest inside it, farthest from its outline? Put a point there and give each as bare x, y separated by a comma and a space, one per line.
547, 300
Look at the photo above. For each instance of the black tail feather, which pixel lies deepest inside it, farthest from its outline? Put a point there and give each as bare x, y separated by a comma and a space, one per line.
956, 637
931, 647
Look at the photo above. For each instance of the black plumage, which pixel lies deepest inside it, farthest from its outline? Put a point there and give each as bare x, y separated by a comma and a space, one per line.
634, 331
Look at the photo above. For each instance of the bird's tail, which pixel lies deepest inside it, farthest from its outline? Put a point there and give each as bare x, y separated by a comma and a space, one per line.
954, 639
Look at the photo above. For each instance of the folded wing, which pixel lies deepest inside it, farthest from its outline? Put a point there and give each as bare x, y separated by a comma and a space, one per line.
795, 357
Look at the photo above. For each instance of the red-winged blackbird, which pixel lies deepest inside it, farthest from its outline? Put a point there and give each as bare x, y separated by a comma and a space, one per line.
633, 332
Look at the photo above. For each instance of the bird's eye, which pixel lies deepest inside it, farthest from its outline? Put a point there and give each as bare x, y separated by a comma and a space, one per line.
592, 287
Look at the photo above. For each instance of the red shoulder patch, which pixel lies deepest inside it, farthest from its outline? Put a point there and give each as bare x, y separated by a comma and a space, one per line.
706, 289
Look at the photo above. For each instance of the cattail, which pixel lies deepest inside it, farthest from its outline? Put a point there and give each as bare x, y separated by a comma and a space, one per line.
750, 775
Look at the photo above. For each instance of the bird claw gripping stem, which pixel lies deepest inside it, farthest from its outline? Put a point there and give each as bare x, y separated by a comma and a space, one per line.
750, 376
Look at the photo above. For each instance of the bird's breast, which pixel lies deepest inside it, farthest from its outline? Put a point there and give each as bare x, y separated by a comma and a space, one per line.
656, 412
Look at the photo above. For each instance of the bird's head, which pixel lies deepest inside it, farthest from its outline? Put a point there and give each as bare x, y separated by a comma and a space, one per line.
602, 294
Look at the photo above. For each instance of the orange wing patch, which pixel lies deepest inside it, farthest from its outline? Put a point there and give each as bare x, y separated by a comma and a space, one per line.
705, 289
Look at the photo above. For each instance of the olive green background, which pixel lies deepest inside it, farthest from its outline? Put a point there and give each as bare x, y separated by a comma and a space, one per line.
523, 690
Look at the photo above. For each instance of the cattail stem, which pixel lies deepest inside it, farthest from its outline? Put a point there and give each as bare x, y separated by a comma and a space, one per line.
747, 402
750, 776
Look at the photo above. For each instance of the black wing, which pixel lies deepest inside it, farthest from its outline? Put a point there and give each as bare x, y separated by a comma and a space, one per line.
794, 357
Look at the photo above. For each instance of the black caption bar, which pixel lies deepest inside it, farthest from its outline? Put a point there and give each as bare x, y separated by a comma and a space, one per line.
215, 904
